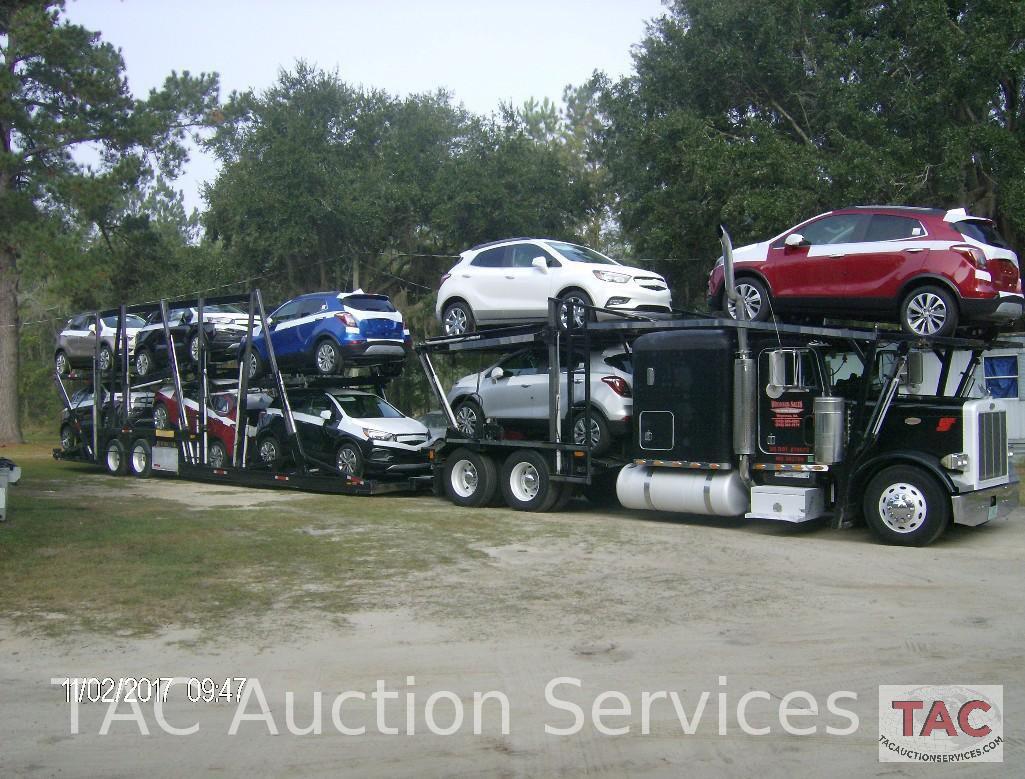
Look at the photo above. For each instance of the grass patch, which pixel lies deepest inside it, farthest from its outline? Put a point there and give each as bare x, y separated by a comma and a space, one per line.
86, 551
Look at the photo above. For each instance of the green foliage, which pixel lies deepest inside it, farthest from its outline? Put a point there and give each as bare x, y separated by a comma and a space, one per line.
761, 114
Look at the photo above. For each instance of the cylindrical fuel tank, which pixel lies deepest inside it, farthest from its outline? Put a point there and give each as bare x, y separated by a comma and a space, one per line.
829, 430
688, 492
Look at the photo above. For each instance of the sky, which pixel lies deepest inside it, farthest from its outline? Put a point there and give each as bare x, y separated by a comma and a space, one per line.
484, 52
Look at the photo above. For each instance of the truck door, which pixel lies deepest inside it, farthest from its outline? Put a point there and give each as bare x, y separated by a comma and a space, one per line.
789, 381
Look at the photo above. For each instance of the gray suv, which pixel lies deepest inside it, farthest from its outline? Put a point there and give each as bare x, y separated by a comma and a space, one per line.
76, 342
514, 393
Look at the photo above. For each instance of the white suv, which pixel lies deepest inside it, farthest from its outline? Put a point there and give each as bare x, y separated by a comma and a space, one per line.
510, 281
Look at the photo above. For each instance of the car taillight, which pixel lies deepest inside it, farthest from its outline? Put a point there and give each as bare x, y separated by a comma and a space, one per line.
618, 385
973, 254
346, 319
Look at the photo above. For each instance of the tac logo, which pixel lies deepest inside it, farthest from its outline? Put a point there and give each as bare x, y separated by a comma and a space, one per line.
948, 723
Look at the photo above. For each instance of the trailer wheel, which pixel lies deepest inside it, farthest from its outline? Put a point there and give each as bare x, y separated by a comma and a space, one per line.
114, 460
68, 437
526, 482
216, 455
471, 479
141, 458
268, 449
905, 506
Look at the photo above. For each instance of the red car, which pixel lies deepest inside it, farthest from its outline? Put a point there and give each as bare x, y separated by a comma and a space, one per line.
221, 413
928, 269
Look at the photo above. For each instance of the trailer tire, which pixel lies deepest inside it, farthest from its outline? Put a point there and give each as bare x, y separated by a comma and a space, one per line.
470, 478
526, 482
114, 459
905, 506
141, 458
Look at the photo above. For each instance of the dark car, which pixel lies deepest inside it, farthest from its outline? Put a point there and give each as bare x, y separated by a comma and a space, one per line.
140, 406
928, 269
324, 331
224, 324
355, 432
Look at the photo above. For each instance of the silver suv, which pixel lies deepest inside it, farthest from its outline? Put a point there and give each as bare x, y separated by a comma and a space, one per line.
514, 392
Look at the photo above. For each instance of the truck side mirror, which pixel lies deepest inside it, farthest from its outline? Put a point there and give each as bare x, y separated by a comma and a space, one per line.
784, 372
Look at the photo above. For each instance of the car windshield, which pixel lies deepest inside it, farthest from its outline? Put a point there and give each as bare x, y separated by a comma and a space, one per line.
366, 406
222, 308
982, 231
575, 253
130, 321
368, 303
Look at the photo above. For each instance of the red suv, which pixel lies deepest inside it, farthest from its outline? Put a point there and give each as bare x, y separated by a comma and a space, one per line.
929, 269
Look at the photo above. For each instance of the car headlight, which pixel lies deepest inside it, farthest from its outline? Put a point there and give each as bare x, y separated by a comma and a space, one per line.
378, 435
615, 278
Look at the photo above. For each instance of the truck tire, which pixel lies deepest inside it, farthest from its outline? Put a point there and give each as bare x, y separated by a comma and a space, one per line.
526, 482
141, 458
904, 505
114, 460
470, 478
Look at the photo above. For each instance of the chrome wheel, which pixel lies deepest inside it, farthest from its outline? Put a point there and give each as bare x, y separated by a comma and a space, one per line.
467, 421
63, 366
750, 298
578, 432
216, 455
524, 482
903, 507
161, 417
143, 363
140, 459
349, 461
327, 357
269, 452
464, 479
579, 312
926, 313
113, 458
106, 359
254, 365
456, 321
194, 348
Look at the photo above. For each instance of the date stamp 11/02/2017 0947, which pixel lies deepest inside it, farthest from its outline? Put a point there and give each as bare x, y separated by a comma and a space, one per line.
143, 689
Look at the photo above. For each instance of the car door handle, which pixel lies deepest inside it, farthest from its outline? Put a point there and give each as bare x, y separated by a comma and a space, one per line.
510, 277
915, 249
838, 254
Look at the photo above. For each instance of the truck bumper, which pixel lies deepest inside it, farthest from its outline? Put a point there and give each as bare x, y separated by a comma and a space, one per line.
977, 508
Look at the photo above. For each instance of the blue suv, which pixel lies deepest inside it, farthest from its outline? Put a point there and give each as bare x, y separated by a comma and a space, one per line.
324, 331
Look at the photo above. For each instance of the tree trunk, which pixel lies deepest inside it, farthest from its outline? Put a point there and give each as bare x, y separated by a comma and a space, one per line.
10, 428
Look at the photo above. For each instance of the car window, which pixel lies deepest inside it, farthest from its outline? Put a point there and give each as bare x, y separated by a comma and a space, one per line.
491, 258
368, 303
223, 308
982, 231
884, 227
841, 228
623, 362
366, 406
523, 255
222, 404
79, 322
311, 306
575, 253
287, 311
134, 321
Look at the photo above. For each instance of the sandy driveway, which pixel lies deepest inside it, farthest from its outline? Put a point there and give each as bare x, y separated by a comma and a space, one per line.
611, 602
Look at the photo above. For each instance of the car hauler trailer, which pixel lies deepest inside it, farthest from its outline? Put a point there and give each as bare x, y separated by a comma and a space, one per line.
121, 442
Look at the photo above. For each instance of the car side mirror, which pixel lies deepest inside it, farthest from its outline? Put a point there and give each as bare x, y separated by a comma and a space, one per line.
325, 414
541, 263
496, 373
794, 240
92, 328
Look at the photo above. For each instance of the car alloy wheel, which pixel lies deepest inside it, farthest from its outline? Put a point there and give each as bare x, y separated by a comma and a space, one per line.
216, 455
750, 298
161, 417
929, 312
349, 461
62, 364
327, 357
269, 451
194, 348
143, 363
106, 359
457, 320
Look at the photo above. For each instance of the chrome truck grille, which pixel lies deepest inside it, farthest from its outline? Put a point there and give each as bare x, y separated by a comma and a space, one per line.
992, 445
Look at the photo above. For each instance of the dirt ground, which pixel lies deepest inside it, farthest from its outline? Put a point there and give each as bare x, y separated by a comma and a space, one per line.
580, 602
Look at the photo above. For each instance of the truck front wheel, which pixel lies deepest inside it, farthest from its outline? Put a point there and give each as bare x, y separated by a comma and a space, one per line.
905, 506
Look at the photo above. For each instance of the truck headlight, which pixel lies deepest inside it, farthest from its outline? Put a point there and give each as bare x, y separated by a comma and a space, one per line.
378, 435
955, 462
